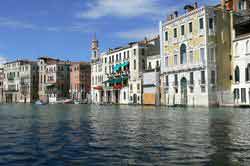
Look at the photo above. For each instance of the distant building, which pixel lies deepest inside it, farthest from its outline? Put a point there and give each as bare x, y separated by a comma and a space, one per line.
80, 80
117, 75
20, 84
1, 84
54, 79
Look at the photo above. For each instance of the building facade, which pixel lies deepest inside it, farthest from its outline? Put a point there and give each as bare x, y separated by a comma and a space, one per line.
117, 75
80, 80
194, 67
240, 25
20, 84
54, 79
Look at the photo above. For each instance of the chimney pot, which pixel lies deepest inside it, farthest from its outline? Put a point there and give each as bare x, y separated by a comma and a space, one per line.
195, 5
176, 14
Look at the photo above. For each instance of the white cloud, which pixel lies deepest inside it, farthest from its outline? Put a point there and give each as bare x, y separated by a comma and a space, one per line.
138, 34
10, 23
3, 60
120, 8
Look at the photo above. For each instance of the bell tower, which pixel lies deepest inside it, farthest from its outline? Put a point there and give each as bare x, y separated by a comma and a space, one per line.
95, 48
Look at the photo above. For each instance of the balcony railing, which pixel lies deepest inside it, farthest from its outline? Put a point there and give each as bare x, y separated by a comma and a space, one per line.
185, 67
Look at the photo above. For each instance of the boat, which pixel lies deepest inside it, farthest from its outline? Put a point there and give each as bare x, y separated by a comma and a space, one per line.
68, 101
39, 102
77, 102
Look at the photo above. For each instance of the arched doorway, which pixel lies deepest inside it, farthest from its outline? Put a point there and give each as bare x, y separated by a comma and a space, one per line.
184, 97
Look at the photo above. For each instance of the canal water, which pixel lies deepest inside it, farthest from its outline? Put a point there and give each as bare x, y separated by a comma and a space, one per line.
83, 135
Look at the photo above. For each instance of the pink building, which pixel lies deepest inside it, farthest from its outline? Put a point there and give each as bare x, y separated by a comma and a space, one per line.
80, 80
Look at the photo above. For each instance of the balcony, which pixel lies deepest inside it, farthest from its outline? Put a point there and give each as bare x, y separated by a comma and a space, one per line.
11, 78
202, 83
242, 22
185, 67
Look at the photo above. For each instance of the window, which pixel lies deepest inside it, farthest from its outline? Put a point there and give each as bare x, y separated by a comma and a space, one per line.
127, 54
191, 57
237, 74
105, 69
105, 60
176, 80
138, 86
182, 30
116, 57
167, 81
201, 23
134, 51
166, 61
131, 87
166, 36
134, 64
190, 27
120, 56
175, 59
124, 55
143, 51
202, 55
149, 66
191, 78
183, 54
236, 94
113, 59
247, 73
124, 95
212, 54
211, 23
212, 77
203, 78
248, 47
157, 64
175, 32
243, 95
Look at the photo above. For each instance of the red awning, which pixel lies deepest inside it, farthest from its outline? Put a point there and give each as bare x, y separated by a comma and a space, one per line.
119, 86
98, 88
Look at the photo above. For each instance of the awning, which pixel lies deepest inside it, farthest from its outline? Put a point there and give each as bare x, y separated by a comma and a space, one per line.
125, 64
98, 88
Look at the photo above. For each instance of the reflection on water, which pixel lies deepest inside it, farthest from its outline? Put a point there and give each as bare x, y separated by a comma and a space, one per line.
123, 135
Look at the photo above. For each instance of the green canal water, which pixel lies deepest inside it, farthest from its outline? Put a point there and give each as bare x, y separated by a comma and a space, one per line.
93, 135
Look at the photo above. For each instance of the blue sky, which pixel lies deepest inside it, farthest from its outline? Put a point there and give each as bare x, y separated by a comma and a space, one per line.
64, 28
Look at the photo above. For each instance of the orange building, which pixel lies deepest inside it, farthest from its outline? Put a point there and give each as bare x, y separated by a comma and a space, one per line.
80, 80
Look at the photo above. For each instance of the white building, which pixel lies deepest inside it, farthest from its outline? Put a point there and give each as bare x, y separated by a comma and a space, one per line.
20, 84
117, 75
241, 53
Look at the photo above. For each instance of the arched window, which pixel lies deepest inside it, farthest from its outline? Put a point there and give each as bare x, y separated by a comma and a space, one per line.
247, 72
237, 74
183, 51
248, 47
191, 57
236, 49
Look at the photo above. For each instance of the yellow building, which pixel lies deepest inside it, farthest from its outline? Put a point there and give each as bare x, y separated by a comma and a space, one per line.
195, 57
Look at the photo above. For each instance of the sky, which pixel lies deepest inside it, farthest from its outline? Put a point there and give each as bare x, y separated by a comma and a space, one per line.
64, 28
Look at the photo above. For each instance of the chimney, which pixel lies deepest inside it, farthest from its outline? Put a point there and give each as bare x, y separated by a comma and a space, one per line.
195, 5
188, 8
170, 17
175, 14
